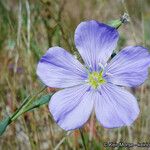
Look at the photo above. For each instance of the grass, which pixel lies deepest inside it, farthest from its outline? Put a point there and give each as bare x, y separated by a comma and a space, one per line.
28, 29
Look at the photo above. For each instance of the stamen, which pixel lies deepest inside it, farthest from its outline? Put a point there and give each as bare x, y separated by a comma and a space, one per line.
109, 74
95, 79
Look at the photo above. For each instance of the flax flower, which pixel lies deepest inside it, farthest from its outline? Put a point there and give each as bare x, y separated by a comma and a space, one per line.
97, 85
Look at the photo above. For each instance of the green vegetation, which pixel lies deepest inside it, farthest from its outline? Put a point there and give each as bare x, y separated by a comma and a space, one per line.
27, 30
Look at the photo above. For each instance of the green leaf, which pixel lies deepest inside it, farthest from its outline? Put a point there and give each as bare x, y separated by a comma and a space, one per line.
37, 103
41, 101
3, 124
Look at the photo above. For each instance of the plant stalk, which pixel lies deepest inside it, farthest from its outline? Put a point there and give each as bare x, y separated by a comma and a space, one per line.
83, 140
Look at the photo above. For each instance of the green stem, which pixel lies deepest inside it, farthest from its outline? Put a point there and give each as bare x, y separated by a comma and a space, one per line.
123, 20
83, 140
25, 100
25, 105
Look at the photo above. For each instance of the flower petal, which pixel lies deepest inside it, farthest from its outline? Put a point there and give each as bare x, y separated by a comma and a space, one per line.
115, 107
59, 69
95, 42
72, 107
129, 67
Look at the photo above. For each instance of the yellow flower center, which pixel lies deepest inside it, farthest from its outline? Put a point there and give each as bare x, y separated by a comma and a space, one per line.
95, 79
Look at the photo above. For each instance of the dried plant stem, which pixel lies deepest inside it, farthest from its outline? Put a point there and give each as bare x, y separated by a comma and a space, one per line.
19, 22
130, 134
18, 34
91, 126
62, 140
28, 25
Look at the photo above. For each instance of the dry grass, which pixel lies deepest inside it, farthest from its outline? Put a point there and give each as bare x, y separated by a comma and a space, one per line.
28, 29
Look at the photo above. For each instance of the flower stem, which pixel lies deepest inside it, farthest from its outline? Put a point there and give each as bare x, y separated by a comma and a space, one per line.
25, 105
124, 19
83, 140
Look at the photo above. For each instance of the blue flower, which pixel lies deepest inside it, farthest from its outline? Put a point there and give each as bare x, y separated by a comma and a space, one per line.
98, 84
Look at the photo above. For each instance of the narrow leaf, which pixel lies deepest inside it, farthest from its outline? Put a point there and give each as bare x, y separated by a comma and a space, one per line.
37, 103
41, 101
3, 124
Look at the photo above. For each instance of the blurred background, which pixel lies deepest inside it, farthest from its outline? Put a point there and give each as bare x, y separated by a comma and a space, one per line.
27, 29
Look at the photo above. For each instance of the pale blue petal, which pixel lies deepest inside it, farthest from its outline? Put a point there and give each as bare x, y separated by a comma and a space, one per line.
129, 67
72, 107
95, 42
115, 107
59, 69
